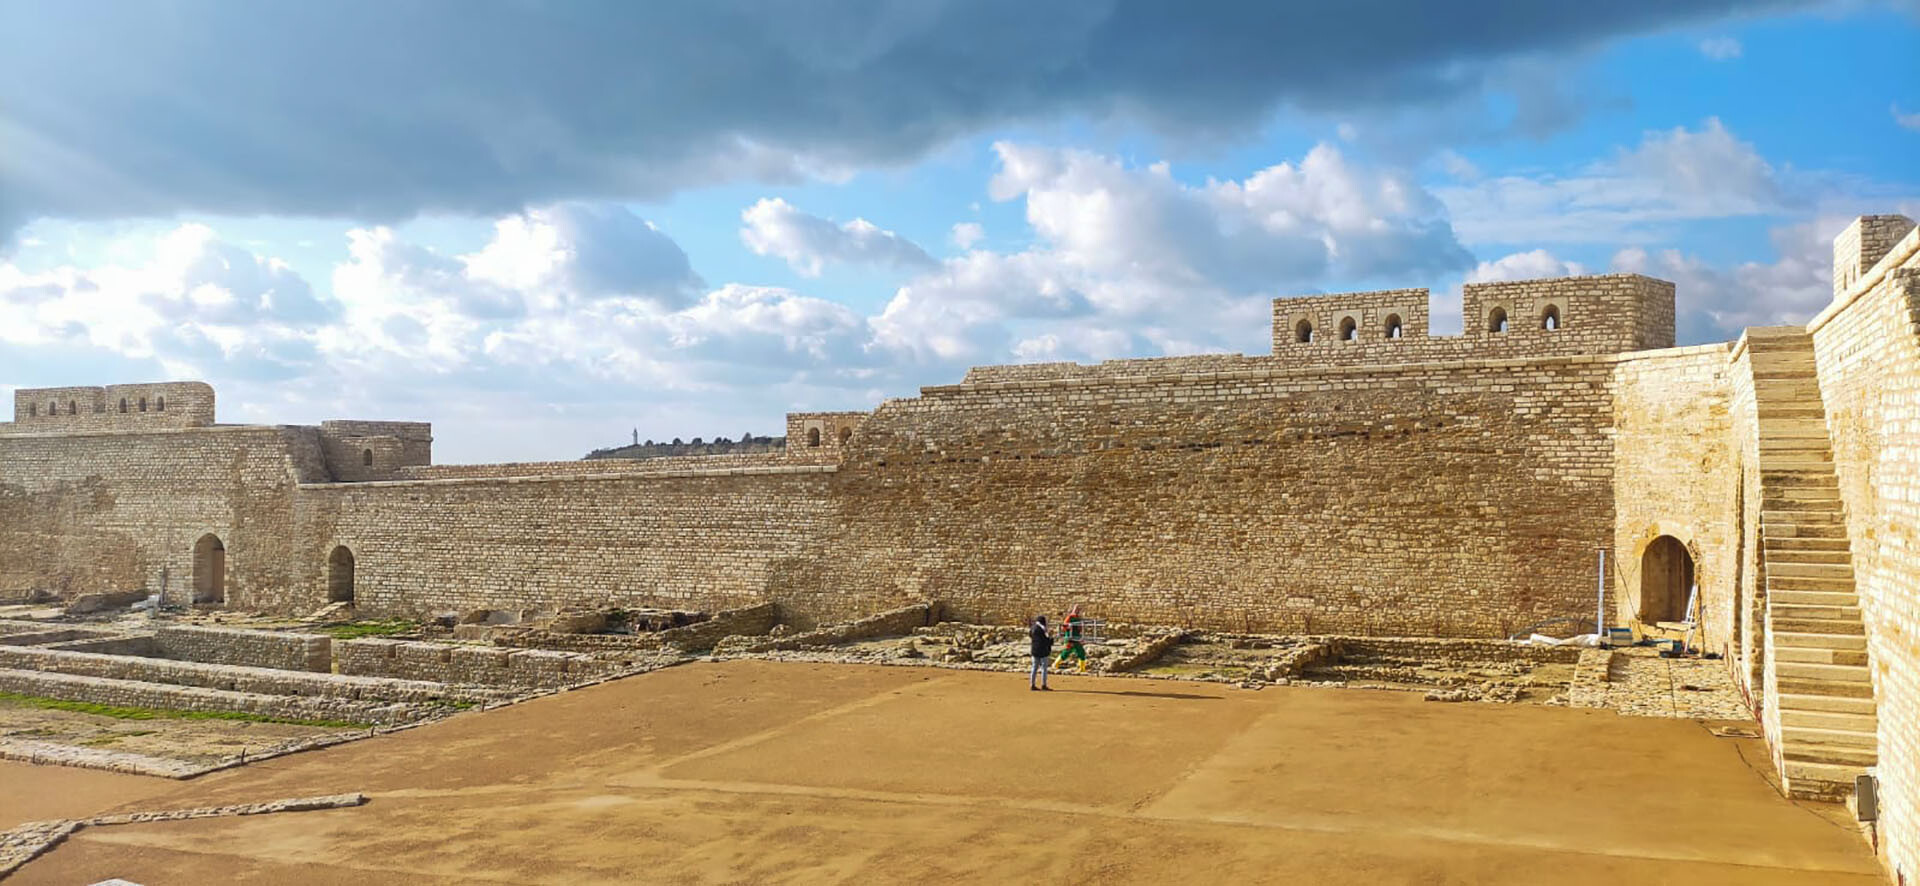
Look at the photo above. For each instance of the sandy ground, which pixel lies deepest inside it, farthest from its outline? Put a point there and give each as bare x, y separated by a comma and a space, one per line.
766, 772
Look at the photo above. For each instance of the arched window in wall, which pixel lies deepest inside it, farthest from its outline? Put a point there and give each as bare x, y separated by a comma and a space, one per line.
73, 407
1550, 318
1497, 320
1349, 330
813, 436
1303, 331
123, 404
143, 404
160, 404
1394, 328
53, 407
366, 457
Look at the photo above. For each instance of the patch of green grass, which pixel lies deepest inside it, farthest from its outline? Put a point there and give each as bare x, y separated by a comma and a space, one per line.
371, 629
132, 713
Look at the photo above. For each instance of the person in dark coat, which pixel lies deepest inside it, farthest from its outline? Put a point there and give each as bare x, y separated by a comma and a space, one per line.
1042, 653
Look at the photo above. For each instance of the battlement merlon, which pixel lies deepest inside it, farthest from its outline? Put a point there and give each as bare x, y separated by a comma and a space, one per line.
129, 407
1560, 316
357, 451
821, 433
1862, 245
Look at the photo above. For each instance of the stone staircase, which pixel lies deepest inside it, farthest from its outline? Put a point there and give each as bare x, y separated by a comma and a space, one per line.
1816, 643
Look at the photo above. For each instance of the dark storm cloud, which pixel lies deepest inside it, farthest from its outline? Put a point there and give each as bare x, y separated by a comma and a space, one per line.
378, 110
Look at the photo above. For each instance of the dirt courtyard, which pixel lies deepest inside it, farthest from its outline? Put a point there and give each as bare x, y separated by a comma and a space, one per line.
770, 772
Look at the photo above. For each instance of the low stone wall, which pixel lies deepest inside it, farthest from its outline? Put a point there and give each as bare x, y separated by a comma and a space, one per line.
236, 678
751, 621
100, 601
128, 693
1146, 654
1454, 651
233, 646
483, 665
124, 644
892, 623
47, 635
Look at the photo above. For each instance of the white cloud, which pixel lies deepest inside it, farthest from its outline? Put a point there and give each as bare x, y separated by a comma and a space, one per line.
1132, 254
808, 243
1720, 49
1906, 121
1673, 176
1530, 265
965, 234
574, 251
195, 304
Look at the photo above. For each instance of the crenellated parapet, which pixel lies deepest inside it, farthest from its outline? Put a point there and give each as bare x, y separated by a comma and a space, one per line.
811, 434
132, 407
374, 450
1556, 317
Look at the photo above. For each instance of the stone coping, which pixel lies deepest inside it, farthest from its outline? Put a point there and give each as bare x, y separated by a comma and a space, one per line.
673, 474
1096, 379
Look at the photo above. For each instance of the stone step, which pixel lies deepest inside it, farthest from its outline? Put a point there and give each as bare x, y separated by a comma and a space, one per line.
1781, 528
1803, 686
1828, 738
1790, 544
1829, 754
1833, 704
1814, 598
1818, 655
1863, 723
1819, 626
1848, 642
1805, 671
1801, 515
1824, 613
1797, 583
1817, 478
1829, 782
1812, 463
1800, 496
1835, 554
1781, 568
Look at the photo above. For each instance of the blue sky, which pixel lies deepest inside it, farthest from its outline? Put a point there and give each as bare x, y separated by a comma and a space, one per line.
542, 227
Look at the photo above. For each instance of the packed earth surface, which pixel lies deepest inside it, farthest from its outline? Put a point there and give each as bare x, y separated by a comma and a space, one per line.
782, 772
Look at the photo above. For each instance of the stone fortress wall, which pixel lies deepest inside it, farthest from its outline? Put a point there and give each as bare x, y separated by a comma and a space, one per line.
1375, 483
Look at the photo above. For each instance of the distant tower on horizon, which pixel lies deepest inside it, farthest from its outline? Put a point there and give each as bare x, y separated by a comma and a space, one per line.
636, 436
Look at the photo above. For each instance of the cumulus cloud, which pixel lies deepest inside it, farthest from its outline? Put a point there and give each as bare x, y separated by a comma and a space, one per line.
1905, 120
1671, 176
1133, 255
198, 304
965, 234
379, 111
1530, 265
1720, 49
808, 243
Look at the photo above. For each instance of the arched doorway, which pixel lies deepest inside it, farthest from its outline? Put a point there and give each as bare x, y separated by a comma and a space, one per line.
209, 570
1666, 580
340, 575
